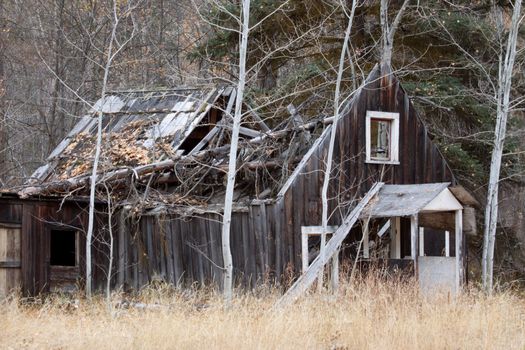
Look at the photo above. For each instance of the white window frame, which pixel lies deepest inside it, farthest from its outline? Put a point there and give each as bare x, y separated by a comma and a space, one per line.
394, 137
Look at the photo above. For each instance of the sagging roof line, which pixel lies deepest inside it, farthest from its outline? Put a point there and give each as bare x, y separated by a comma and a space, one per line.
117, 174
161, 90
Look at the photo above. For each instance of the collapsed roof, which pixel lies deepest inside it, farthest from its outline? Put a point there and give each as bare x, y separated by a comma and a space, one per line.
177, 138
139, 128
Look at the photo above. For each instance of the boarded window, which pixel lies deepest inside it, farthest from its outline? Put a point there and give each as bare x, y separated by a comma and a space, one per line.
63, 248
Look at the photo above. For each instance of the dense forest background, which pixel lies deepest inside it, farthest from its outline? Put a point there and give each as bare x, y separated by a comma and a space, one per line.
446, 53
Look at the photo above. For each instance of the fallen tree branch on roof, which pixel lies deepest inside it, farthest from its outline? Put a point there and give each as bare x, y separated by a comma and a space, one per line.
139, 171
79, 181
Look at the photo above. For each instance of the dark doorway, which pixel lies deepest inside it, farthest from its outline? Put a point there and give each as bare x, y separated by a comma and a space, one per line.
63, 248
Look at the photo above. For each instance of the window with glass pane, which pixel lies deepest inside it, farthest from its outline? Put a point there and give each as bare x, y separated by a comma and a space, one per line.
380, 139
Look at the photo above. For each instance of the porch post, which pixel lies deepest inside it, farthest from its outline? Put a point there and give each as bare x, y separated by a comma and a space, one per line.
366, 248
447, 244
395, 238
414, 240
398, 238
421, 241
459, 249
304, 250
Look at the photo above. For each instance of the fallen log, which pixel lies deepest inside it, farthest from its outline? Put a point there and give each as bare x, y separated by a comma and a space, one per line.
82, 180
67, 185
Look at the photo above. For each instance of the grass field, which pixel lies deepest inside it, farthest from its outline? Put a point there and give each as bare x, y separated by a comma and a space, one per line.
368, 314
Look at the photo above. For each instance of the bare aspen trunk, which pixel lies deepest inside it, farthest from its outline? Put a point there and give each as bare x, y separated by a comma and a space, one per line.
89, 236
506, 68
110, 264
228, 201
3, 112
111, 247
389, 30
329, 160
3, 142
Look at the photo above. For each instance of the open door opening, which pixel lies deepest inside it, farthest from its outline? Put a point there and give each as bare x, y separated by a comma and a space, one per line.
64, 268
63, 248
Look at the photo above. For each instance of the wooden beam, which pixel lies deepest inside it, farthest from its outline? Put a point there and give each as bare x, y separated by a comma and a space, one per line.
205, 139
116, 174
421, 241
464, 196
10, 225
231, 101
332, 247
259, 120
447, 244
383, 229
216, 128
307, 231
446, 221
299, 168
414, 240
459, 250
82, 180
366, 248
395, 239
317, 230
10, 264
249, 132
398, 238
304, 251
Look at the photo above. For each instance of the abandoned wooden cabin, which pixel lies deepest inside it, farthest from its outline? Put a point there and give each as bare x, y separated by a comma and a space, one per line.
161, 189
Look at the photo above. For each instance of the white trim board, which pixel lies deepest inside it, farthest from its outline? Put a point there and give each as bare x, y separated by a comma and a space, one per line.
444, 201
394, 137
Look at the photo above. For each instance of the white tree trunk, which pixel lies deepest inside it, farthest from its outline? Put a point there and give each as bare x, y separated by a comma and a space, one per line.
503, 108
111, 248
89, 236
389, 30
228, 201
333, 132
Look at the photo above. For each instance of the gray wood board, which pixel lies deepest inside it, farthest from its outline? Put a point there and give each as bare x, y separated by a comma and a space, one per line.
403, 200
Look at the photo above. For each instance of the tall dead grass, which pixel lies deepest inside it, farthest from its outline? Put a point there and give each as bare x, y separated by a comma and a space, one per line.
369, 314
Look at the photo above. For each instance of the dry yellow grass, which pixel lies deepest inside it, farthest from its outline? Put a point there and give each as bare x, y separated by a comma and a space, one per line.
368, 315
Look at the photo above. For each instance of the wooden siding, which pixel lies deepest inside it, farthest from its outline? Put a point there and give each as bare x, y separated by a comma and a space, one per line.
266, 244
9, 258
37, 218
187, 250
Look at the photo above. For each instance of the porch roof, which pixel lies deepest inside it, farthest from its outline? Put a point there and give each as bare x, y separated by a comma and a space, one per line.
406, 200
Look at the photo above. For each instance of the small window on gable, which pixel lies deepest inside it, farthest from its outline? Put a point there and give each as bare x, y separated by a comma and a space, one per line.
382, 137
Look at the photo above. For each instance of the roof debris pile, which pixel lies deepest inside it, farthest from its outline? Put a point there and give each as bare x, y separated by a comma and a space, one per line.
172, 147
119, 149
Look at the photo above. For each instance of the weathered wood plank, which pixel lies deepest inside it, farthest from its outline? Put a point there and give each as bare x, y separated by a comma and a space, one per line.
307, 278
178, 255
251, 253
459, 250
264, 238
278, 214
414, 240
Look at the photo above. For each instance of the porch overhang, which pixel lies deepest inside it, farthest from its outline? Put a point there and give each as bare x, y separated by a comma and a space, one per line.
407, 200
433, 203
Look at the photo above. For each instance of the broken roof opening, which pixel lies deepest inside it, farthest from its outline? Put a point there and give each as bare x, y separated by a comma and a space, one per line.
177, 140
